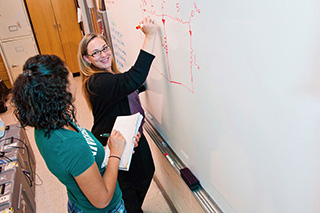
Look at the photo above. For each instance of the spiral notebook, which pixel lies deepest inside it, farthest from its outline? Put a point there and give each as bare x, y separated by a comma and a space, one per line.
128, 125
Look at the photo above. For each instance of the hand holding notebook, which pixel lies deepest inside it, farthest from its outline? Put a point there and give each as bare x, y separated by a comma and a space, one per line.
128, 126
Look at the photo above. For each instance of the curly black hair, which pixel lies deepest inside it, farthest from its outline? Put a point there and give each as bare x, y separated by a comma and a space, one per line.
40, 94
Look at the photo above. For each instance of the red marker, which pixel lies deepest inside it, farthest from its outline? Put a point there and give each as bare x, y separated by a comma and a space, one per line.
139, 26
169, 159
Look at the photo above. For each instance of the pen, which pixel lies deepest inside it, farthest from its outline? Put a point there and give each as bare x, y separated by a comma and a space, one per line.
139, 26
105, 135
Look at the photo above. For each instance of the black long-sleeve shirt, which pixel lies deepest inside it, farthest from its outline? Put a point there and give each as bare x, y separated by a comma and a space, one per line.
108, 93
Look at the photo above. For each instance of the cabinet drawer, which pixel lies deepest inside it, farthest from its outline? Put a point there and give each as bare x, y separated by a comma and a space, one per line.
3, 75
7, 83
2, 67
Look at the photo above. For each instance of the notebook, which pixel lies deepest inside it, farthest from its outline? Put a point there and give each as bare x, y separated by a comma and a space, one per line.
128, 125
2, 128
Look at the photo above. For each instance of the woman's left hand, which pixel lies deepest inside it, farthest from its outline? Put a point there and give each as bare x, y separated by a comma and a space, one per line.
136, 139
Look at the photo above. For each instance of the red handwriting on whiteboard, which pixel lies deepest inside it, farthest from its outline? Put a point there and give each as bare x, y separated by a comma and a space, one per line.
150, 9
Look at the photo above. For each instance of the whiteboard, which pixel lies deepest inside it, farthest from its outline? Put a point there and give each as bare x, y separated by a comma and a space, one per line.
235, 91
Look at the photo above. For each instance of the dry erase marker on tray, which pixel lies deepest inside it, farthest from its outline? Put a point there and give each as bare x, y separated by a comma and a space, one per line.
169, 159
139, 26
105, 135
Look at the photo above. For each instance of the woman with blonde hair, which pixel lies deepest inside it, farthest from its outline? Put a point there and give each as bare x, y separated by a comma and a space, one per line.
110, 93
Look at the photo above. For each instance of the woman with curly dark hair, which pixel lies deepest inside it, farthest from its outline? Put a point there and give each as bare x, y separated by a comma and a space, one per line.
43, 98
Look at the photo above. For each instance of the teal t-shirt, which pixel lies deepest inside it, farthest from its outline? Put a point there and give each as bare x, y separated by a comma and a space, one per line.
68, 154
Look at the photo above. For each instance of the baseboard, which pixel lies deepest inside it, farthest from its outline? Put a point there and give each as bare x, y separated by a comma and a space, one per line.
165, 195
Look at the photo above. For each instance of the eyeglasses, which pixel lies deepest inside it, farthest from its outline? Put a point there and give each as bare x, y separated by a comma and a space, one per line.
97, 53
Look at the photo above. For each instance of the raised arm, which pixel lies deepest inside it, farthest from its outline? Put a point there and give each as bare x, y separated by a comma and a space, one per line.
150, 30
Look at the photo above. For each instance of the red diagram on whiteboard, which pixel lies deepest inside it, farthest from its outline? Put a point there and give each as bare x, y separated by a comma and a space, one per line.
148, 9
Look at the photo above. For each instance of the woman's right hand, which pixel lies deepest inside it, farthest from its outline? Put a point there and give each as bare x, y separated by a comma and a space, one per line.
150, 30
116, 143
149, 27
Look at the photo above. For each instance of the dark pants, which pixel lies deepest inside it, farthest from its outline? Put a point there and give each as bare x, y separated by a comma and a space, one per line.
135, 183
3, 107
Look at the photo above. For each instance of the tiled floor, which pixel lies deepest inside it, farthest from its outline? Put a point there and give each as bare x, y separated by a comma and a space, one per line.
51, 195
